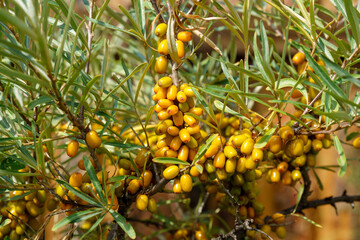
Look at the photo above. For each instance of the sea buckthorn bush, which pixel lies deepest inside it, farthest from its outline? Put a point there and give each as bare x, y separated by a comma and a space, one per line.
171, 114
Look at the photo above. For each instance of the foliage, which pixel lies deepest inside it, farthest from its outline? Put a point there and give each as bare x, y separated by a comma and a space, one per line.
63, 74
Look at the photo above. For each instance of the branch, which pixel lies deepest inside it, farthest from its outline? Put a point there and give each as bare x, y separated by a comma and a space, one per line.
325, 201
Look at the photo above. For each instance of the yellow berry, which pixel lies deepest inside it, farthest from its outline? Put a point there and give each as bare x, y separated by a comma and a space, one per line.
184, 36
142, 201
92, 139
171, 172
161, 65
160, 30
186, 183
72, 148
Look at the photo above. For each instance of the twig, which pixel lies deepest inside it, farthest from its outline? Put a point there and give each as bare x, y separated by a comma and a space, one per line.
155, 6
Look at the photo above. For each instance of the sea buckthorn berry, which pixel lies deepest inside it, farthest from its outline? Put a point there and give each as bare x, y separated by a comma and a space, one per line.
286, 178
307, 146
191, 102
211, 151
194, 171
161, 65
154, 98
171, 172
282, 167
184, 135
181, 97
274, 176
247, 146
161, 128
163, 114
221, 174
250, 164
240, 166
301, 67
327, 143
280, 232
186, 183
172, 130
180, 48
209, 166
238, 140
161, 94
145, 178
193, 143
32, 209
175, 143
200, 235
189, 120
75, 179
295, 148
156, 88
134, 186
171, 92
183, 153
171, 153
286, 133
304, 138
152, 206
165, 103
184, 107
230, 165
177, 186
317, 145
298, 58
178, 119
92, 139
300, 161
189, 92
230, 152
142, 201
238, 179
356, 143
163, 48
72, 148
219, 160
160, 30
172, 110
184, 36
219, 141
165, 82
310, 160
257, 155
196, 110
157, 108
193, 129
183, 86
296, 175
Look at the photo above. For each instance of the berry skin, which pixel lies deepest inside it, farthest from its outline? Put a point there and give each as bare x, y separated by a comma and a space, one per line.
165, 82
186, 183
160, 30
171, 93
230, 152
171, 172
274, 176
184, 135
181, 97
317, 145
184, 36
219, 160
280, 232
75, 180
275, 144
247, 146
180, 48
161, 65
142, 201
93, 140
286, 133
177, 186
296, 175
134, 186
145, 178
298, 58
356, 143
163, 48
152, 206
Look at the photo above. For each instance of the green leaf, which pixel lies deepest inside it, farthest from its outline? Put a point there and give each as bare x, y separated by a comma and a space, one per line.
121, 178
353, 18
97, 223
92, 175
318, 180
171, 40
203, 148
300, 193
41, 100
128, 229
87, 89
219, 105
142, 78
306, 219
78, 193
169, 160
265, 138
342, 159
76, 217
289, 82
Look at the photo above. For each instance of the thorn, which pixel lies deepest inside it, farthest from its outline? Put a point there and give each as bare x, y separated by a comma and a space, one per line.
334, 206
344, 192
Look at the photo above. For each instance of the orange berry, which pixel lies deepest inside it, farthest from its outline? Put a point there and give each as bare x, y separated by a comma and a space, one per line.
165, 82
190, 120
161, 94
177, 186
186, 183
298, 58
178, 119
181, 97
163, 48
184, 36
184, 135
142, 201
171, 172
183, 153
75, 179
172, 110
92, 139
171, 92
145, 178
72, 148
180, 48
161, 29
161, 65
